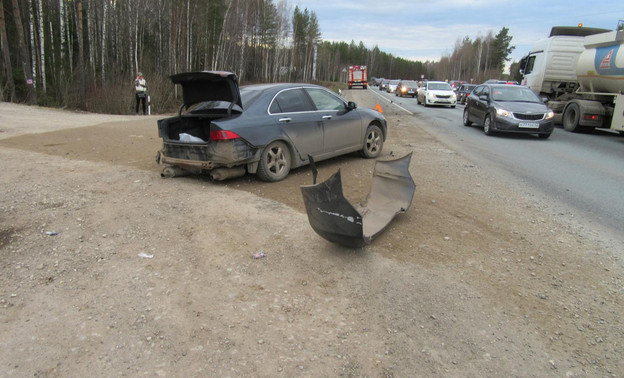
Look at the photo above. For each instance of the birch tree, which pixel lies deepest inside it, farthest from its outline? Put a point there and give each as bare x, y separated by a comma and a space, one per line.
40, 27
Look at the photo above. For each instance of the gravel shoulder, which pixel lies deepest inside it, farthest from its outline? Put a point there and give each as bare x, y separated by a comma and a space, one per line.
106, 269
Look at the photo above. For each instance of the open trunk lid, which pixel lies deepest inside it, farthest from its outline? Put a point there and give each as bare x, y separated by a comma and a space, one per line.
208, 86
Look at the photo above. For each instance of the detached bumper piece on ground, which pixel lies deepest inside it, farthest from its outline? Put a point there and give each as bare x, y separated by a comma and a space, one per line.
333, 217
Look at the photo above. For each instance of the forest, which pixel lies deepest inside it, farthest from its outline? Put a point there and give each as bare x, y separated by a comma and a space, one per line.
85, 54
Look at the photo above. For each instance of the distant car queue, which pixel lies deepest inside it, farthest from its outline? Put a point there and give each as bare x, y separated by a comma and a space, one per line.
498, 106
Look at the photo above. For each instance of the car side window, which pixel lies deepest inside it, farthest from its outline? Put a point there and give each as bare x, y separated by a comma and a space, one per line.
477, 91
324, 100
291, 101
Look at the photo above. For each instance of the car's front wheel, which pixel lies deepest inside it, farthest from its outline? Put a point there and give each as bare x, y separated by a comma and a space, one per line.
274, 162
373, 142
487, 126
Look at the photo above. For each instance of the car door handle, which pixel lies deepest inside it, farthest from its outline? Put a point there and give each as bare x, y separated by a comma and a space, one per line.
286, 119
327, 117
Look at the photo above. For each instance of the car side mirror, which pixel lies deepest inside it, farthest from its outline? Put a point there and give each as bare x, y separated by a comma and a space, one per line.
351, 105
483, 97
544, 99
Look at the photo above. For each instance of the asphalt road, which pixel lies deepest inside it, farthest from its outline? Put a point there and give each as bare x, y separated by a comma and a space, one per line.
580, 174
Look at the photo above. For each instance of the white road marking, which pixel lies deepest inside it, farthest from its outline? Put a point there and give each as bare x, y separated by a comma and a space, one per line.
390, 101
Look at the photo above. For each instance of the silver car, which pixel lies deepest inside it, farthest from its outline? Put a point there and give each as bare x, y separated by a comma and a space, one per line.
392, 86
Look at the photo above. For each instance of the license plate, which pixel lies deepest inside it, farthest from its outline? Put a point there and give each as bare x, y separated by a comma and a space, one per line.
525, 125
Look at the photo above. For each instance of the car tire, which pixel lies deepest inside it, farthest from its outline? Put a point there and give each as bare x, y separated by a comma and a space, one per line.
466, 119
543, 136
452, 106
274, 162
571, 118
487, 125
373, 142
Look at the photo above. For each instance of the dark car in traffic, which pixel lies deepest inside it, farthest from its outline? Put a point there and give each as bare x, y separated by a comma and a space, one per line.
407, 88
383, 85
263, 129
508, 109
455, 84
464, 92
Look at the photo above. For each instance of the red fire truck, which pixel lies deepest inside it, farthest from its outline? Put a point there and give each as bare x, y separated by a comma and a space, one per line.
358, 76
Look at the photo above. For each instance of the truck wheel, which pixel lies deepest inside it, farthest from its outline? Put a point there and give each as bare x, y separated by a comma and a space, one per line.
571, 117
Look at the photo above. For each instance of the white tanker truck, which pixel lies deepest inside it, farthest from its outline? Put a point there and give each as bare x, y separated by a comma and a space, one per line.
581, 72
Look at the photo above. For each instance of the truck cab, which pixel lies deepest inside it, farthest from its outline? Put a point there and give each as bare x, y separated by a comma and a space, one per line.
550, 67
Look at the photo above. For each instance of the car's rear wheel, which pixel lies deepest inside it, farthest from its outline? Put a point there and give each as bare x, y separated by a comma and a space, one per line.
466, 119
274, 162
487, 126
373, 142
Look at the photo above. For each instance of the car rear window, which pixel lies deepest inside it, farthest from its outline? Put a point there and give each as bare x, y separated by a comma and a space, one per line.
439, 86
291, 101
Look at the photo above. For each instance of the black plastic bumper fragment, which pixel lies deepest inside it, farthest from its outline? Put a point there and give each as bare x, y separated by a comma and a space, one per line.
333, 217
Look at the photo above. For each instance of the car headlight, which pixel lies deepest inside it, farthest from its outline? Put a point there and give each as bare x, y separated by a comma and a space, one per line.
550, 114
504, 113
453, 96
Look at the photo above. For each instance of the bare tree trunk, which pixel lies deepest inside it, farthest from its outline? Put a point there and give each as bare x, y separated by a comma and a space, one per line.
479, 59
6, 56
81, 72
23, 53
62, 33
33, 44
104, 55
220, 55
136, 40
41, 47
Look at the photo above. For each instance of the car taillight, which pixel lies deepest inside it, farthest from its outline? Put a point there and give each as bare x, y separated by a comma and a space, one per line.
223, 135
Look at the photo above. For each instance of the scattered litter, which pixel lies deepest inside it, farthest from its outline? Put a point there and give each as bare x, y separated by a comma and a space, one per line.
51, 233
258, 255
146, 255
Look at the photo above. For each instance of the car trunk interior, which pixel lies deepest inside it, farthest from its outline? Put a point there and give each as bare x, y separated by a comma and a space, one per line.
197, 126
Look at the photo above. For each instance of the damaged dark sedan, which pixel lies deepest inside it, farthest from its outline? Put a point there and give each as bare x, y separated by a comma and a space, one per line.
264, 129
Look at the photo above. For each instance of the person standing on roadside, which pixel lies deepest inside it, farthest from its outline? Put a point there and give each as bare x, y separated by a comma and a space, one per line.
140, 90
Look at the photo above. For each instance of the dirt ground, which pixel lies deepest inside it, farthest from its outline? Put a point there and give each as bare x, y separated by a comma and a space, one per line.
107, 269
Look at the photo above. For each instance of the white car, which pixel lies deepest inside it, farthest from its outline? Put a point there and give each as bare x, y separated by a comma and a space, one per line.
437, 93
392, 86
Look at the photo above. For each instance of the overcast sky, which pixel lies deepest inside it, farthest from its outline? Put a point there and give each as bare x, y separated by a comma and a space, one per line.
428, 29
